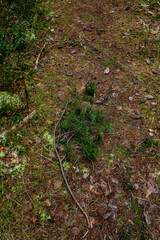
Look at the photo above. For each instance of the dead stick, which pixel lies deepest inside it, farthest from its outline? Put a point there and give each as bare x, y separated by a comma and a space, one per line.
37, 60
90, 225
25, 120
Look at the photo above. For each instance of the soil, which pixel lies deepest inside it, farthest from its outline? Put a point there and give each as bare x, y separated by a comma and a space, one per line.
120, 193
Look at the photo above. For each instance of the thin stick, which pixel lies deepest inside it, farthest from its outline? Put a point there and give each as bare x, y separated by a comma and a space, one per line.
90, 225
20, 124
37, 60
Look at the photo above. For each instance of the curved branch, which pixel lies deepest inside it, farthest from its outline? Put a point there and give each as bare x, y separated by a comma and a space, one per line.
89, 222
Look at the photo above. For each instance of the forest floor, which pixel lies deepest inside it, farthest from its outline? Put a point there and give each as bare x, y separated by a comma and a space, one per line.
115, 45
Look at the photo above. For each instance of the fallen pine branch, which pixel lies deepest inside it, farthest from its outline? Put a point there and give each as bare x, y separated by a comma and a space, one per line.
25, 120
89, 222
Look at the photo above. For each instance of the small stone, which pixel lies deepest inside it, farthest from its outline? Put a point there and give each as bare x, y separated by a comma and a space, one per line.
106, 71
73, 51
151, 134
148, 97
148, 61
113, 207
130, 98
136, 186
114, 94
107, 215
154, 103
69, 74
85, 175
77, 170
51, 38
147, 218
121, 25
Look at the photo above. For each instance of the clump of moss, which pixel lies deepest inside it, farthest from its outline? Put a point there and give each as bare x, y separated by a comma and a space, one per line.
9, 103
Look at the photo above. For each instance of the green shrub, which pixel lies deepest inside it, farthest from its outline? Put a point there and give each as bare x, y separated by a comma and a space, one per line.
20, 21
84, 127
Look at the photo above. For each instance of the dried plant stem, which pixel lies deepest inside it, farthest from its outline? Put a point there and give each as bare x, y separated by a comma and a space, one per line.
37, 60
90, 225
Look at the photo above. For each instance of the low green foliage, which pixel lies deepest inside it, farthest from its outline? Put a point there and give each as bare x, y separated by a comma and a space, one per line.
90, 89
9, 103
83, 128
149, 142
20, 24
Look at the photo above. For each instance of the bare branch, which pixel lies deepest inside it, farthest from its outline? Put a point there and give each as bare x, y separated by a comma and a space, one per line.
89, 222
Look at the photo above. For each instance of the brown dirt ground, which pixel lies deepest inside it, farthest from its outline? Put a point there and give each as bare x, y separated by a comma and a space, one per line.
121, 192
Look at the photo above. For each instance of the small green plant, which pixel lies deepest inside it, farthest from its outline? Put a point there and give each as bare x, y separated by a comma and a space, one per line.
90, 89
149, 142
83, 128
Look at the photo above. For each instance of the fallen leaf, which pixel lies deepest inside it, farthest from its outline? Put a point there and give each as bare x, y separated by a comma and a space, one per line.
48, 203
57, 184
34, 219
107, 192
110, 44
147, 218
103, 184
37, 79
107, 215
17, 160
93, 190
113, 207
130, 221
81, 88
93, 221
133, 63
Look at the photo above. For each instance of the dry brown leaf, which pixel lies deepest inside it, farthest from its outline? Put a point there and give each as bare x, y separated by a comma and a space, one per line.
93, 190
17, 160
34, 219
103, 185
110, 44
130, 221
107, 192
149, 191
93, 221
37, 79
133, 63
48, 203
57, 184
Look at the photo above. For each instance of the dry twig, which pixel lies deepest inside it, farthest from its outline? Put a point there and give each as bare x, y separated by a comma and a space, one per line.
25, 120
89, 222
37, 60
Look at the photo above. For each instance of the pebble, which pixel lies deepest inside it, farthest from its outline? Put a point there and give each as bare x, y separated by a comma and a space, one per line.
114, 94
106, 71
130, 98
154, 103
148, 61
151, 134
69, 74
73, 51
51, 38
148, 97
